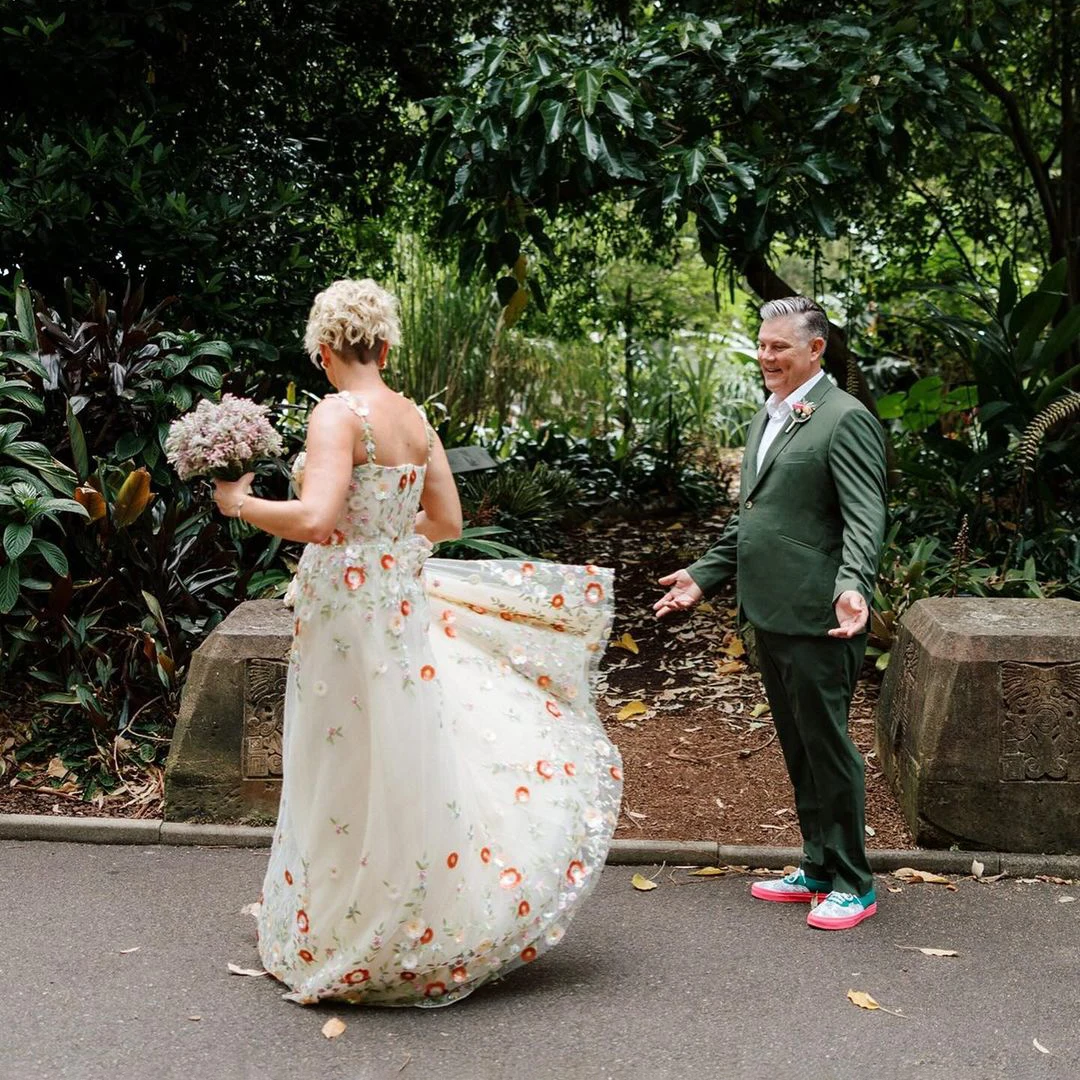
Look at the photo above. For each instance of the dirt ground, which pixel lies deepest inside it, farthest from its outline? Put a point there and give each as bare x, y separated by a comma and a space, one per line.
701, 759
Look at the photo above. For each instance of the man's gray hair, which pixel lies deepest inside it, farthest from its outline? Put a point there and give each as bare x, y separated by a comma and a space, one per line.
814, 321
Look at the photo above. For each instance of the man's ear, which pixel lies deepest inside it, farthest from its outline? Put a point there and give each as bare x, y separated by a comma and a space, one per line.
817, 347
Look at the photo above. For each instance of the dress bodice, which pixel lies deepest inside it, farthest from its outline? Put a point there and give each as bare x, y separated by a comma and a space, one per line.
382, 500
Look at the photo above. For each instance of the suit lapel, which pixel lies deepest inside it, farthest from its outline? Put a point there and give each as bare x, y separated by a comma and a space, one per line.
816, 395
753, 441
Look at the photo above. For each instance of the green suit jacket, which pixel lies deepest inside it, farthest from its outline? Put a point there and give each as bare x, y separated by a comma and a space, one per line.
810, 524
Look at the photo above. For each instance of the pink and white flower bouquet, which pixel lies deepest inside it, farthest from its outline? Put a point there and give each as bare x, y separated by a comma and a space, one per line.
221, 439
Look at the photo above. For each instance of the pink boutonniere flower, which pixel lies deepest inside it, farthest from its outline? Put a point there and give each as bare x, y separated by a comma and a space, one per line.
801, 411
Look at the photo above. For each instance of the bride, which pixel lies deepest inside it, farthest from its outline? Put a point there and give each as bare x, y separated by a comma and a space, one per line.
449, 794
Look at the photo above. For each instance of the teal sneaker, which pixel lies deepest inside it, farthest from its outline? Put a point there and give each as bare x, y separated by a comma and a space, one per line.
793, 888
842, 911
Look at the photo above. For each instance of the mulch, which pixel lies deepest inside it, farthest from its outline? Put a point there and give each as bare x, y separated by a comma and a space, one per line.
678, 697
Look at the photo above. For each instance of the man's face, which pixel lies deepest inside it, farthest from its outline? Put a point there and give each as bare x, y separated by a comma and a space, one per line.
787, 355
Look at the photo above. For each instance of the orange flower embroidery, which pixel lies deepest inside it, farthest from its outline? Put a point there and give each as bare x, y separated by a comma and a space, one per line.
506, 616
553, 709
545, 769
335, 538
387, 561
590, 568
575, 872
449, 631
403, 482
544, 681
451, 859
528, 954
406, 607
412, 476
302, 921
306, 956
355, 577
354, 978
528, 568
558, 627
485, 855
427, 673
288, 878
296, 628
521, 795
594, 592
478, 609
426, 936
448, 616
459, 974
616, 772
408, 976
510, 878
435, 989
570, 768
523, 908
557, 600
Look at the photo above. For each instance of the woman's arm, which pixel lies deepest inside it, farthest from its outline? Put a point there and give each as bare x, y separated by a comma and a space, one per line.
327, 470
440, 518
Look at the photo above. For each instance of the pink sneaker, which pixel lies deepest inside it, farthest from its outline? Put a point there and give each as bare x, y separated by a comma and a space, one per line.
793, 888
842, 911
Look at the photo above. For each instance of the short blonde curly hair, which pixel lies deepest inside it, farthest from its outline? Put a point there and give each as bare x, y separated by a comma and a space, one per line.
352, 315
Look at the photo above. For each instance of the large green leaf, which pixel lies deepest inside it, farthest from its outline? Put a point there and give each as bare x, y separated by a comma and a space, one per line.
24, 314
53, 555
588, 137
554, 116
17, 537
588, 82
9, 586
619, 103
78, 444
1060, 338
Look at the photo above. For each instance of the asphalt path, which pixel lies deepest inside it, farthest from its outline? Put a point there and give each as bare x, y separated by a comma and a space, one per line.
687, 980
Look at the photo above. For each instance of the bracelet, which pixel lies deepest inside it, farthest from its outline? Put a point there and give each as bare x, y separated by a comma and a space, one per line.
239, 505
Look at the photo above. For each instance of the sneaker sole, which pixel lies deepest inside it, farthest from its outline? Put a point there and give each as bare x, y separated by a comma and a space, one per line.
786, 898
819, 923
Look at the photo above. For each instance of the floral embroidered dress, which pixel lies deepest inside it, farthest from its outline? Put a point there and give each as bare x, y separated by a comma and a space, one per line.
449, 794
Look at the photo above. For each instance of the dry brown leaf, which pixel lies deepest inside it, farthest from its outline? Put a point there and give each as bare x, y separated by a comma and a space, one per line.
929, 952
862, 999
760, 709
642, 883
729, 667
134, 948
194, 1017
333, 1027
708, 871
632, 708
251, 973
1066, 899
626, 642
56, 769
894, 888
706, 607
735, 648
916, 877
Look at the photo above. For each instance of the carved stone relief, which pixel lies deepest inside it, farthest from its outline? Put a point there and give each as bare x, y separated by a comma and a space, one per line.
1041, 722
264, 708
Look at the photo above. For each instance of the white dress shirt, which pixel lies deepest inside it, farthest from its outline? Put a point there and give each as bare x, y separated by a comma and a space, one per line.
779, 410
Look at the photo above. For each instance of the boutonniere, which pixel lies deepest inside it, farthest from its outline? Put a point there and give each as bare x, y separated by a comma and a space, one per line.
801, 411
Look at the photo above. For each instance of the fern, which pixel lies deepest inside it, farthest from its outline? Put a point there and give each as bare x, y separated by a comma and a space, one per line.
1065, 408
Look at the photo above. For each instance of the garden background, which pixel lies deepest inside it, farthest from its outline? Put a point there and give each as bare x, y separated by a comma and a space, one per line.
580, 207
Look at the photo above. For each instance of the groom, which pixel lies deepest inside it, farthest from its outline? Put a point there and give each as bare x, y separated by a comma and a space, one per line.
804, 545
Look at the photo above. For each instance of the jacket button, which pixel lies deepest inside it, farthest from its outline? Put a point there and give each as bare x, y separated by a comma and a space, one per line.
749, 503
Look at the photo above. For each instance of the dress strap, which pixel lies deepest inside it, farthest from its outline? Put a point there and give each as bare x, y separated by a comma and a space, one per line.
359, 407
430, 432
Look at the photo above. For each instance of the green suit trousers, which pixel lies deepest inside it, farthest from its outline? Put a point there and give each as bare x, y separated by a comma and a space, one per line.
809, 682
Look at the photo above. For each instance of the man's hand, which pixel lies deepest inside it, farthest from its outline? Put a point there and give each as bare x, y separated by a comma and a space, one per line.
683, 593
851, 614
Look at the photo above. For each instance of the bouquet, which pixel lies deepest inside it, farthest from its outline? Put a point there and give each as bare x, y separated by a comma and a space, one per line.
221, 439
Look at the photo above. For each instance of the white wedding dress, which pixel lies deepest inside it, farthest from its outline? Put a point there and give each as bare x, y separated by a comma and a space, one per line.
449, 793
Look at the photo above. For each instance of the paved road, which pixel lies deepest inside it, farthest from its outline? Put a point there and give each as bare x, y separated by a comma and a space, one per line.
694, 981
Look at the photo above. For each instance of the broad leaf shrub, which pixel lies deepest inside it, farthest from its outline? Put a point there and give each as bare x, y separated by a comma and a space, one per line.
112, 570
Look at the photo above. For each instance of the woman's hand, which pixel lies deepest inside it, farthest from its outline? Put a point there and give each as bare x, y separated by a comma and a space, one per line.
230, 494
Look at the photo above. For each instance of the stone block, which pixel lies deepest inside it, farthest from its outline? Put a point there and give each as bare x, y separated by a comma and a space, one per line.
224, 764
978, 724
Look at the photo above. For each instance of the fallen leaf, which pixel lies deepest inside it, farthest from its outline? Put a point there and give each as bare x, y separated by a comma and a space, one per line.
951, 888
705, 606
251, 973
56, 769
977, 868
194, 1017
708, 871
915, 877
894, 888
642, 883
134, 948
632, 708
929, 952
736, 648
1039, 1046
675, 527
760, 709
862, 999
870, 830
333, 1027
729, 666
626, 642
1066, 899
